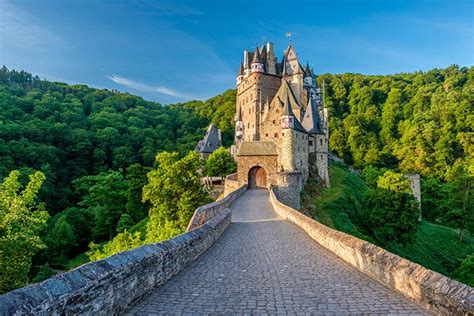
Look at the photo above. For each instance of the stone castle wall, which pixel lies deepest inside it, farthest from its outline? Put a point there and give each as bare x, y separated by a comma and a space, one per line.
289, 186
434, 291
245, 163
110, 285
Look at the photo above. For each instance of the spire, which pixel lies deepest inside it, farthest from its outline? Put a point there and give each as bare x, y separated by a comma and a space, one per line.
283, 67
312, 121
287, 110
256, 56
307, 70
264, 53
241, 70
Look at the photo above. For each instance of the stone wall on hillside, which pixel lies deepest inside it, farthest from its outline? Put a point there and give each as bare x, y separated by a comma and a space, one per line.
110, 285
430, 289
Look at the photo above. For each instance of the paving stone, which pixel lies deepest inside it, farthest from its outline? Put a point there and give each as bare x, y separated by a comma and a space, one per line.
262, 258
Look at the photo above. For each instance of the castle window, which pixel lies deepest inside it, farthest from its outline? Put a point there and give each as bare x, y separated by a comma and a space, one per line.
282, 134
311, 143
266, 134
321, 142
273, 122
276, 135
248, 125
322, 156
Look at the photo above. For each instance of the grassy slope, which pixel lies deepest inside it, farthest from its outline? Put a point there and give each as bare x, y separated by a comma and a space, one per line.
435, 247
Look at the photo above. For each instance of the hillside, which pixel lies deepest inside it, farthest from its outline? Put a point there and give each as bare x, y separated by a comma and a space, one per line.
95, 147
434, 246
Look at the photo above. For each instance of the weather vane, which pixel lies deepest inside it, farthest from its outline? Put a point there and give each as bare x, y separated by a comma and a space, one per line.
288, 35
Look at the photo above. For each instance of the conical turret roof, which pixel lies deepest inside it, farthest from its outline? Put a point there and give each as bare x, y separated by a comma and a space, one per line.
307, 71
256, 56
241, 70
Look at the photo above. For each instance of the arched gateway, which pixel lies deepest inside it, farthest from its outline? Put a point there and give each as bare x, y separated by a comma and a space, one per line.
257, 178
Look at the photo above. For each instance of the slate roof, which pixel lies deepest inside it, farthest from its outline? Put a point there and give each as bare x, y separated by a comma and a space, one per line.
211, 141
241, 69
311, 120
257, 148
285, 96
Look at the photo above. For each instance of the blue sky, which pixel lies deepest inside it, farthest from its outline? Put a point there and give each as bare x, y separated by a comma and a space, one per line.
172, 50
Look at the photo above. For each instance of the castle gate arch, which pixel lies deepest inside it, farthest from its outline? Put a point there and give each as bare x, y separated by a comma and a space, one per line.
257, 178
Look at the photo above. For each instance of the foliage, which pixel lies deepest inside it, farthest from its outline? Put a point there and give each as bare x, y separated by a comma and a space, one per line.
419, 122
389, 216
44, 273
339, 205
393, 181
436, 247
371, 174
103, 195
60, 239
465, 272
136, 179
125, 222
461, 212
433, 246
174, 191
121, 242
220, 163
436, 199
71, 131
22, 219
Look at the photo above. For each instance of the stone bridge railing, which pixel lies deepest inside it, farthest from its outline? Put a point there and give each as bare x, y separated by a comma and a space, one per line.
208, 211
110, 285
430, 289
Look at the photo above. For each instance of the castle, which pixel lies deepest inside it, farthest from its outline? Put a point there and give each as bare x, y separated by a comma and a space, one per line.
281, 126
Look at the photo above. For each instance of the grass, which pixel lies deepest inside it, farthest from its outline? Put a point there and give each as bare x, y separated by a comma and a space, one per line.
435, 247
337, 206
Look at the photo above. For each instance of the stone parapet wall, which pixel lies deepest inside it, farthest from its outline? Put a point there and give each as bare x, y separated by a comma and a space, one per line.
432, 290
110, 285
231, 183
206, 212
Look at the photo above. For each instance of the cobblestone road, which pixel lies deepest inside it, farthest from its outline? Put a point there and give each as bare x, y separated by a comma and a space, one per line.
263, 264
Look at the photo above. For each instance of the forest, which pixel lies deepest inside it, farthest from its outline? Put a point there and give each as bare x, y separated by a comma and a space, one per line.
86, 170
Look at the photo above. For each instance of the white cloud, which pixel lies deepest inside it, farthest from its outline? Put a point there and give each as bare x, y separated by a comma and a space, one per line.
19, 28
139, 86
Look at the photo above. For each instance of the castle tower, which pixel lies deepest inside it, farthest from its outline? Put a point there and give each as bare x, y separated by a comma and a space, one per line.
240, 74
293, 73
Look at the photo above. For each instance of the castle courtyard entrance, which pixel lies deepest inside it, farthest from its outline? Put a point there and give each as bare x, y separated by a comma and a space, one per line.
257, 178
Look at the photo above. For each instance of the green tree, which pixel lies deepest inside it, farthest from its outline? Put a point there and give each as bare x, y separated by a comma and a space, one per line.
220, 163
393, 181
465, 272
174, 191
389, 216
60, 240
136, 180
461, 213
104, 195
125, 222
22, 219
